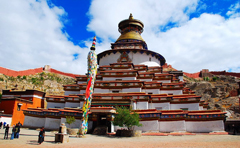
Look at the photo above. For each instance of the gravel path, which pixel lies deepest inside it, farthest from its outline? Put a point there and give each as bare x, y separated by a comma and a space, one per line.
28, 138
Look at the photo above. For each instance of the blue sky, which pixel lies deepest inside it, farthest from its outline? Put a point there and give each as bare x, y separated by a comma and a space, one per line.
190, 34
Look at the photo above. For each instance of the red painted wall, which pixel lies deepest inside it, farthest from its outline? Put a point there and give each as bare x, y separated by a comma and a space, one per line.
14, 73
18, 116
7, 106
225, 73
192, 75
63, 73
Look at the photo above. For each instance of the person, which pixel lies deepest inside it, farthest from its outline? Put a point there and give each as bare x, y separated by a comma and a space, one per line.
0, 125
41, 135
6, 131
4, 124
17, 131
234, 129
13, 132
20, 124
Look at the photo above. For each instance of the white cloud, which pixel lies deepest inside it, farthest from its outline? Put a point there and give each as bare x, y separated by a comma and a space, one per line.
208, 42
234, 10
106, 14
31, 36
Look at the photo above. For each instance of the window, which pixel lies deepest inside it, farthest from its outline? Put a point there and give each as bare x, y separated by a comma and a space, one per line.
150, 59
115, 91
184, 108
57, 107
150, 93
118, 79
19, 105
158, 108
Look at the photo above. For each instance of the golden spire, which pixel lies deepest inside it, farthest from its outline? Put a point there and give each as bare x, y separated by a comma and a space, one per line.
130, 29
130, 17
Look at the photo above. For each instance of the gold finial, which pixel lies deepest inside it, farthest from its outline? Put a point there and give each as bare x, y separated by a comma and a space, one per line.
130, 17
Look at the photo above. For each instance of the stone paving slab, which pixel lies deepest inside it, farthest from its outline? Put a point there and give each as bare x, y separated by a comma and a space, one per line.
28, 139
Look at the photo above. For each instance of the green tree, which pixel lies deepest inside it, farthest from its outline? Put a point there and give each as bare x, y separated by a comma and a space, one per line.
19, 77
24, 77
70, 120
126, 118
0, 97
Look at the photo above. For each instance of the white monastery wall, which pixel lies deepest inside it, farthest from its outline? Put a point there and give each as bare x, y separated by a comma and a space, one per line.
137, 58
72, 104
134, 105
174, 92
204, 126
153, 91
148, 126
164, 81
8, 120
142, 105
83, 91
80, 82
172, 126
81, 104
52, 123
55, 105
180, 78
200, 107
164, 106
145, 80
132, 90
114, 78
190, 106
70, 92
99, 90
76, 124
30, 121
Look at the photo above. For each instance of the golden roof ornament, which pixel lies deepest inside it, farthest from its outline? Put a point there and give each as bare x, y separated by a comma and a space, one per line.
130, 29
130, 17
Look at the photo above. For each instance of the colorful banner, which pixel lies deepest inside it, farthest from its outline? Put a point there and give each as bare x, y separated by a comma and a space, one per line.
92, 71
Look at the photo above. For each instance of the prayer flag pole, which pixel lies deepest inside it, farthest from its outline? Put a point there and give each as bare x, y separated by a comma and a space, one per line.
91, 76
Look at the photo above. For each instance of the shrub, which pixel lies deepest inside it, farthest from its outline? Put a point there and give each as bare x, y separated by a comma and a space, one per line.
70, 120
214, 78
126, 118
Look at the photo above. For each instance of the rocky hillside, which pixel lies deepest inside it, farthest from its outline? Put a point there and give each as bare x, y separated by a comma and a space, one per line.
50, 83
221, 92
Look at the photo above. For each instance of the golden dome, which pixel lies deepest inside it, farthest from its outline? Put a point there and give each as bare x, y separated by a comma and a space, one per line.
130, 21
130, 35
130, 29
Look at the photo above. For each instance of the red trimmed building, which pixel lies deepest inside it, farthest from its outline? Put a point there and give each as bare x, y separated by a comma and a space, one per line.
14, 102
131, 75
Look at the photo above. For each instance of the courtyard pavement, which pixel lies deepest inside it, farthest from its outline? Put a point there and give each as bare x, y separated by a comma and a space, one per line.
28, 138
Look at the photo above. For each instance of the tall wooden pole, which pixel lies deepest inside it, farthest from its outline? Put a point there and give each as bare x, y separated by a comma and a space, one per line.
91, 76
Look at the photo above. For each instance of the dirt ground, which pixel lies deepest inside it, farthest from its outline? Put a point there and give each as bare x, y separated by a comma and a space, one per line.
28, 139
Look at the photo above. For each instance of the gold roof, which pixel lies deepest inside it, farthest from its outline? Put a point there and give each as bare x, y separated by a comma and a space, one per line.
130, 35
130, 20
